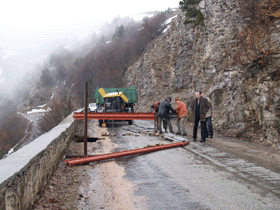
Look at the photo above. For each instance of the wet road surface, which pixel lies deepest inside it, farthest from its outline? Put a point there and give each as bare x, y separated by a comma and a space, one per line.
219, 174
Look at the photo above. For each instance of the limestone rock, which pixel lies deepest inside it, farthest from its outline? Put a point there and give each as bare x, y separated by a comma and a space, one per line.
186, 58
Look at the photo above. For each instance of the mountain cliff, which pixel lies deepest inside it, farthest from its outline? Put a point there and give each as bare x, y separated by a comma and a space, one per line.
187, 58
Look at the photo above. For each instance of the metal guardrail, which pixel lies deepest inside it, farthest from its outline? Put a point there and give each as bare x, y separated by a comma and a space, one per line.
115, 116
119, 116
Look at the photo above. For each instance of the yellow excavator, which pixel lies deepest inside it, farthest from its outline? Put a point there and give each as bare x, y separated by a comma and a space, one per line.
114, 100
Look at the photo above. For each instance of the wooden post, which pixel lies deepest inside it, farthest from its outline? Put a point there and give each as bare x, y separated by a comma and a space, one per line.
85, 118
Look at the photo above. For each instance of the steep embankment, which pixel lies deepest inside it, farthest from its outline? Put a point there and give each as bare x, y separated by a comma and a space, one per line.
188, 58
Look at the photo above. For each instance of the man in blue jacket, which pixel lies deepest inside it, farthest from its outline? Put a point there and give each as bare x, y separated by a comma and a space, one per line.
163, 113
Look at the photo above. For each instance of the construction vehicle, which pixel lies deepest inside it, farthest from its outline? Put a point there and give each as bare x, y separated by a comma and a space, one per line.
114, 100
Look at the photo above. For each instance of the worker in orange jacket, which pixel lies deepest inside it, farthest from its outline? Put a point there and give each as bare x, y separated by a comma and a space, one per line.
181, 110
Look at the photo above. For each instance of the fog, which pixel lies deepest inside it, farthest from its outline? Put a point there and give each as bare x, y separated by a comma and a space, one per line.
31, 30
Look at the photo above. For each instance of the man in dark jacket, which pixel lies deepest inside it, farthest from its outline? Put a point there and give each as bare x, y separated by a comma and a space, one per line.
163, 113
154, 108
200, 107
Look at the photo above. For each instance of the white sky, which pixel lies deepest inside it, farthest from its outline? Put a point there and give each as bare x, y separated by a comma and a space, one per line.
29, 23
31, 29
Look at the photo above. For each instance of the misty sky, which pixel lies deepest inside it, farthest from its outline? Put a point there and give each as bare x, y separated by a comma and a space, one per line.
26, 24
29, 29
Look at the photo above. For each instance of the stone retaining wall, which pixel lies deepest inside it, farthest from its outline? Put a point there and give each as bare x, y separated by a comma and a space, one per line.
23, 188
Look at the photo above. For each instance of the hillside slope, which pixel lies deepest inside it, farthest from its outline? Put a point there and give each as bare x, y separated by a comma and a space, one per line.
188, 58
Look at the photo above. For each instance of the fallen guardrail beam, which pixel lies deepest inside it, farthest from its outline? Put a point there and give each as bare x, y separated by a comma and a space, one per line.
85, 160
174, 137
118, 116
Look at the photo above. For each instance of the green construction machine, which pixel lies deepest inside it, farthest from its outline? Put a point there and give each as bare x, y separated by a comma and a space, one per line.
116, 100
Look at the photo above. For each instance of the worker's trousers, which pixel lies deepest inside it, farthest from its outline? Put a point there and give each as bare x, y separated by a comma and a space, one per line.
209, 127
166, 122
156, 122
203, 129
181, 125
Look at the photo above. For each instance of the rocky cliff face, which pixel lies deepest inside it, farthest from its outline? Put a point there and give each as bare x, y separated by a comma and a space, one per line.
188, 58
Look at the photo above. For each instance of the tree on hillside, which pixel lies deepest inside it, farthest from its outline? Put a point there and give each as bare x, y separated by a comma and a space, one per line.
145, 19
169, 11
152, 25
77, 61
4, 143
91, 90
193, 14
119, 33
12, 125
60, 73
7, 109
56, 113
102, 40
46, 78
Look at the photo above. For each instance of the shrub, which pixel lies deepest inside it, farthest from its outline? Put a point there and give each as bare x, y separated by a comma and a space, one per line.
270, 8
4, 143
55, 114
254, 45
193, 14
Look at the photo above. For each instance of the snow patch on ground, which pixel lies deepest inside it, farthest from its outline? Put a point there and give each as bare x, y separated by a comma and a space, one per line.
169, 20
36, 111
52, 96
42, 105
166, 29
140, 29
167, 23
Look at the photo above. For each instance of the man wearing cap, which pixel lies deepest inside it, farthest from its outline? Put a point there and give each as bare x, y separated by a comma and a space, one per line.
163, 113
200, 107
181, 110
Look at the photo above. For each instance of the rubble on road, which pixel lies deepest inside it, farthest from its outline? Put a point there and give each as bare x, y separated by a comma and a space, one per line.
108, 134
174, 137
130, 134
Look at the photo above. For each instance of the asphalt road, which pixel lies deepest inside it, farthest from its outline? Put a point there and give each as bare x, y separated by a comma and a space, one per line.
223, 173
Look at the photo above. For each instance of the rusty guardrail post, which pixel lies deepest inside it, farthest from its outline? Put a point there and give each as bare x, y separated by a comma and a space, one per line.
85, 118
